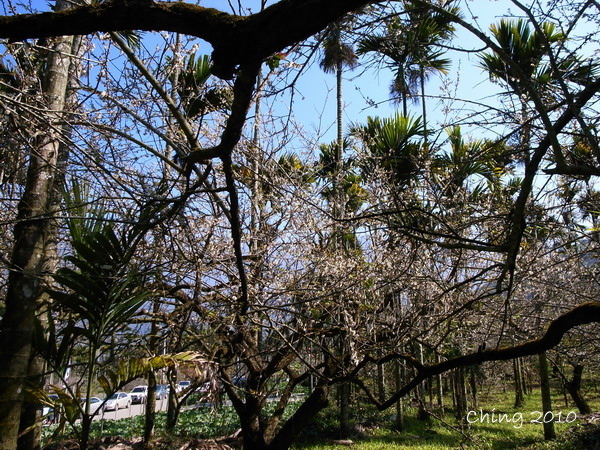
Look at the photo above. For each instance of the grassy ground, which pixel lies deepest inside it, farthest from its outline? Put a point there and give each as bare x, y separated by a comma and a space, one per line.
520, 428
374, 430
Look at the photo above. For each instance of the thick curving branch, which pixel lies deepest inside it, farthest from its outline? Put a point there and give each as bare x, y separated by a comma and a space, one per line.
243, 90
206, 23
581, 315
235, 39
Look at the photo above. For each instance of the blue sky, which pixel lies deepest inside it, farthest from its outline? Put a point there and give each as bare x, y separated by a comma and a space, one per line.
366, 92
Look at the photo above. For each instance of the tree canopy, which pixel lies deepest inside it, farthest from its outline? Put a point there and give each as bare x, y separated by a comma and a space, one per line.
433, 243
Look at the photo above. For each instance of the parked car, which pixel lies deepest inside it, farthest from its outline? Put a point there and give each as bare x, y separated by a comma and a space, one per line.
117, 401
161, 391
48, 411
182, 385
139, 394
95, 403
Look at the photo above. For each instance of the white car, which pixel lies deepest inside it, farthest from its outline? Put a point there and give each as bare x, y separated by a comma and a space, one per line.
182, 385
95, 403
139, 394
117, 401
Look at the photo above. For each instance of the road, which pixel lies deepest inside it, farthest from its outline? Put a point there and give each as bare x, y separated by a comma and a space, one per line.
161, 405
133, 410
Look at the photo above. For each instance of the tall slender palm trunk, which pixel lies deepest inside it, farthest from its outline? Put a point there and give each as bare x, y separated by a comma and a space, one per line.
338, 212
31, 236
338, 206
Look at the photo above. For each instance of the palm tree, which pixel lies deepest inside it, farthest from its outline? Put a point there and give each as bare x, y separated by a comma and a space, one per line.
525, 66
526, 49
392, 144
394, 45
465, 159
338, 55
527, 69
393, 154
102, 290
349, 189
432, 30
414, 50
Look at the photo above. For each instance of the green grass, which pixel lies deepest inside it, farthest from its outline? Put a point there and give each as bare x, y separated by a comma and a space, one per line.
200, 423
377, 428
483, 433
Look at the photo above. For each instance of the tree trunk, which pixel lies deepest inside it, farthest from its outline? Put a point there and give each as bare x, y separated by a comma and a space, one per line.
340, 114
460, 392
519, 397
151, 396
526, 387
473, 384
525, 133
422, 414
574, 389
150, 409
338, 214
423, 107
549, 432
31, 235
440, 389
173, 406
344, 392
30, 430
253, 436
380, 382
86, 425
315, 402
31, 416
399, 425
440, 395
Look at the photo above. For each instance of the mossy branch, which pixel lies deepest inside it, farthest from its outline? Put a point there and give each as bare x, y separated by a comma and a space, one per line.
236, 40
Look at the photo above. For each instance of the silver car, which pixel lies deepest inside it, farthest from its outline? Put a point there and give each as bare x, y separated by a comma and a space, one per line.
139, 394
117, 401
95, 403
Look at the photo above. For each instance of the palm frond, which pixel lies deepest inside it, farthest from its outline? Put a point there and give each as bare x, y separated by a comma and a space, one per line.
133, 38
114, 378
336, 52
102, 290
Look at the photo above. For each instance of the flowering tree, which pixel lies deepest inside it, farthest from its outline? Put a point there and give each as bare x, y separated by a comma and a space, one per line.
444, 235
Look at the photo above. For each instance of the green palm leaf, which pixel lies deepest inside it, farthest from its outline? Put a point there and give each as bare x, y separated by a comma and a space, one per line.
101, 290
392, 144
525, 48
114, 378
